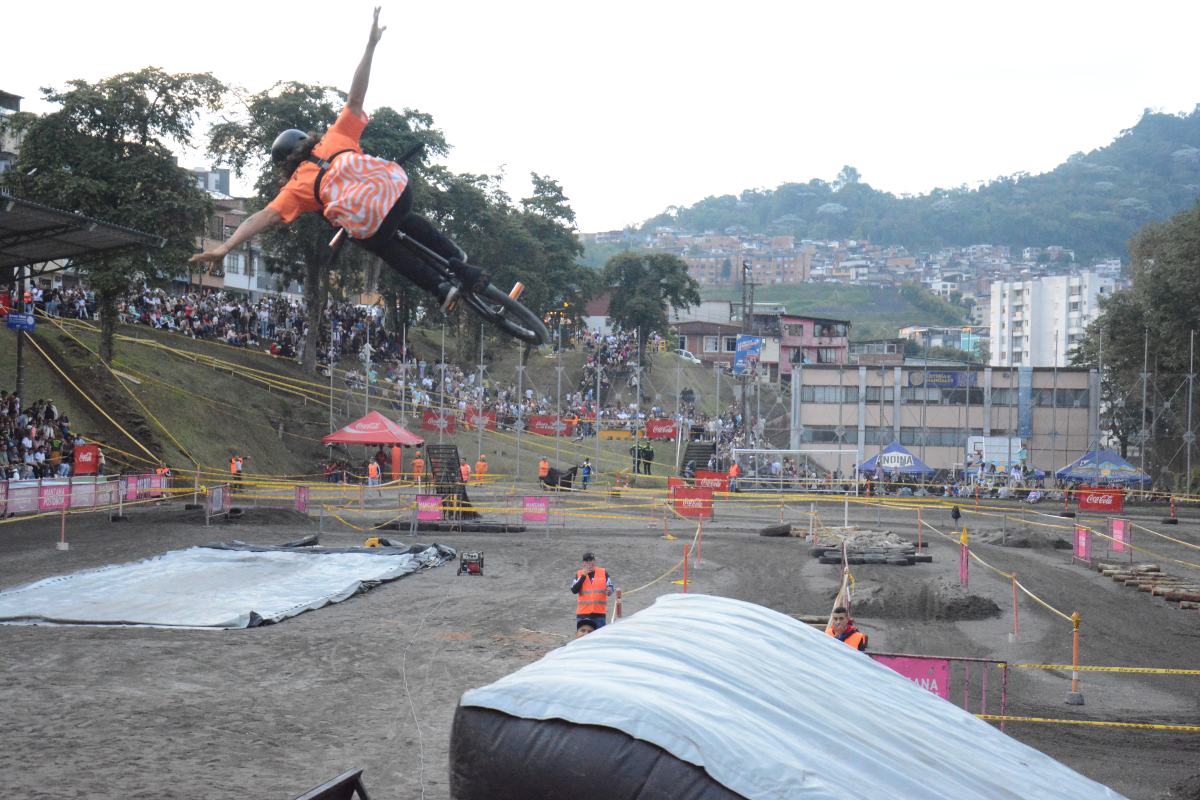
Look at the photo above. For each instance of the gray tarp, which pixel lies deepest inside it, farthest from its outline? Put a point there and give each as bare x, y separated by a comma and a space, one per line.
768, 706
226, 586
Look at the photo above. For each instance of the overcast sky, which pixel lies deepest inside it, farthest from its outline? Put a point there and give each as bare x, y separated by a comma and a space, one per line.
637, 106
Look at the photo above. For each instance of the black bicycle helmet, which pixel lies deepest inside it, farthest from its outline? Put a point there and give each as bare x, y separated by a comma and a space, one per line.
285, 143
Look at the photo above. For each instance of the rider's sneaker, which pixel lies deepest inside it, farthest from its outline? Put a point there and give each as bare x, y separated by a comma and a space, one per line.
473, 278
448, 296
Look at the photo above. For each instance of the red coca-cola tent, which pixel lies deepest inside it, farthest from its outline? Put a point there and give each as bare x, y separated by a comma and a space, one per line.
374, 428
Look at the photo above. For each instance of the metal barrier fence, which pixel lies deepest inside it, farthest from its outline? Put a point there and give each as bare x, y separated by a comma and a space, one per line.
950, 677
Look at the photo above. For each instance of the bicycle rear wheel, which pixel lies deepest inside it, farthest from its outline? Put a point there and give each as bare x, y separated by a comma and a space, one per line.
507, 314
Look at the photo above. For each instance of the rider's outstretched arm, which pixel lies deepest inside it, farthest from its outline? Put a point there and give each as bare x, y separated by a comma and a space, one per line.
358, 87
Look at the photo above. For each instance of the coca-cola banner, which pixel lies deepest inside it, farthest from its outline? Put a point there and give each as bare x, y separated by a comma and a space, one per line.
696, 503
1111, 501
716, 481
473, 419
436, 421
660, 429
547, 425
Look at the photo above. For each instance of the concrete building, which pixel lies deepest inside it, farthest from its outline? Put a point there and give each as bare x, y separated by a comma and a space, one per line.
1037, 322
932, 411
10, 145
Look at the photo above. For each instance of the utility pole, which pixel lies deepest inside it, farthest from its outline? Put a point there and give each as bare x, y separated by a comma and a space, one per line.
1143, 435
1190, 436
480, 415
18, 301
747, 313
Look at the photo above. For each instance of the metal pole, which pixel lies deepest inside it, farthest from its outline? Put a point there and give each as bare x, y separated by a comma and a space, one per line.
1190, 436
403, 365
678, 415
520, 423
1145, 383
367, 368
479, 412
442, 387
558, 412
596, 415
19, 302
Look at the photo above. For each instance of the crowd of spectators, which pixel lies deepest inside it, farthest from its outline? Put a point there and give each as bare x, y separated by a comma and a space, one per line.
35, 442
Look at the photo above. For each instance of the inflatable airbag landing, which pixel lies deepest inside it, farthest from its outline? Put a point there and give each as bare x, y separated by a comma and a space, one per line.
501, 757
705, 698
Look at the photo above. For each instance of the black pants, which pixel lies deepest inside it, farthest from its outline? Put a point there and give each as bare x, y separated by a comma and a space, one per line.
398, 256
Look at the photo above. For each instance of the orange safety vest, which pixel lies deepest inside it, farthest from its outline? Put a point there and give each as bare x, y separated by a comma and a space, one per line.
857, 640
480, 468
418, 467
465, 471
233, 466
593, 594
543, 468
373, 470
735, 470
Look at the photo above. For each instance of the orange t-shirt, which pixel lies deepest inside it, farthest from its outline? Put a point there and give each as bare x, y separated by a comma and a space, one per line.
296, 197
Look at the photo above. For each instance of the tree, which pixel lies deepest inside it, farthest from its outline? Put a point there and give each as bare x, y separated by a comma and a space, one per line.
644, 287
106, 153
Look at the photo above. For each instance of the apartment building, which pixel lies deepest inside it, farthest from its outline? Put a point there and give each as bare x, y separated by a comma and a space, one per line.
1037, 322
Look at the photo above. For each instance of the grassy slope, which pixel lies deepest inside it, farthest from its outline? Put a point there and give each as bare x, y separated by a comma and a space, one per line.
213, 412
874, 311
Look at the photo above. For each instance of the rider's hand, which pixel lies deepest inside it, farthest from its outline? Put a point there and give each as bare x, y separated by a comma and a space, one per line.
213, 256
376, 31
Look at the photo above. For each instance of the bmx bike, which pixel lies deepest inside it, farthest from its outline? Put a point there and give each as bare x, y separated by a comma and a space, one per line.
493, 305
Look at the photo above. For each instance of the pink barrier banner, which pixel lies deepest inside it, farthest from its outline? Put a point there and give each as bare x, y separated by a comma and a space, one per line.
54, 497
302, 499
1119, 530
429, 508
535, 508
83, 495
932, 674
1083, 544
131, 488
22, 497
157, 482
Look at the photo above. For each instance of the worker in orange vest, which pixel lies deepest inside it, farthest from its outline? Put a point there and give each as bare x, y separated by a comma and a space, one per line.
464, 470
481, 466
543, 470
372, 473
233, 465
593, 585
735, 472
841, 627
418, 467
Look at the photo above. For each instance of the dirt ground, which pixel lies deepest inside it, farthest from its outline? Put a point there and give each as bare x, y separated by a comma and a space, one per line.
373, 682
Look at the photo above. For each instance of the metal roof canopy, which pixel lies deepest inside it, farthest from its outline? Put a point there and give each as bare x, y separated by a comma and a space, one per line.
31, 233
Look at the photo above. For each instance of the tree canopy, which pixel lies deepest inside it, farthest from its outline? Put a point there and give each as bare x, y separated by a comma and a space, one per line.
106, 152
1092, 203
1150, 324
644, 287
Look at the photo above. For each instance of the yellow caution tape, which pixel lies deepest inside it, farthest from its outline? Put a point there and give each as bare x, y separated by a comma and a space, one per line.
1138, 670
1151, 726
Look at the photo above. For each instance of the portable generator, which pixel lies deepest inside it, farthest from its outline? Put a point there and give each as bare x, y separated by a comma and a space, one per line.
470, 563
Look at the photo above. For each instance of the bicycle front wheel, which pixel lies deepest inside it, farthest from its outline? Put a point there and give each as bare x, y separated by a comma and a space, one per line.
507, 314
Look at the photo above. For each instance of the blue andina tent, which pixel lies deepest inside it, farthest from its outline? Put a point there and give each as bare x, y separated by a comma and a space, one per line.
896, 458
1102, 467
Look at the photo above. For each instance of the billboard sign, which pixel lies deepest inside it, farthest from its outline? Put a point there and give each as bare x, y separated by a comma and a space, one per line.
747, 354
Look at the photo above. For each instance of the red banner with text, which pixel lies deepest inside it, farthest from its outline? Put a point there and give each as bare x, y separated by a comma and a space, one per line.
697, 503
437, 421
1111, 501
548, 425
660, 429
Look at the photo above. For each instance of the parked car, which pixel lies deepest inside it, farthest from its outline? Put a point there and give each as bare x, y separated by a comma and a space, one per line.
687, 356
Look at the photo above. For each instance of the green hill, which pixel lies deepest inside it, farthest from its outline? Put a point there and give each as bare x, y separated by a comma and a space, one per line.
875, 312
194, 403
1092, 203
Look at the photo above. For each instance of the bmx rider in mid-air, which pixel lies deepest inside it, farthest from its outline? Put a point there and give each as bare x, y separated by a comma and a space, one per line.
369, 198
